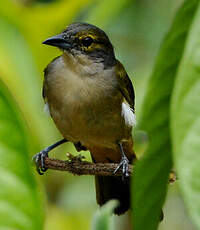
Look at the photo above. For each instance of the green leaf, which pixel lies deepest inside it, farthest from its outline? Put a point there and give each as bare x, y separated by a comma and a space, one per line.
185, 126
102, 218
20, 201
52, 18
151, 173
19, 72
105, 11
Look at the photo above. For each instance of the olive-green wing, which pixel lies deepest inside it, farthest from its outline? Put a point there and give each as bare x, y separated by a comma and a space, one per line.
125, 85
46, 72
44, 90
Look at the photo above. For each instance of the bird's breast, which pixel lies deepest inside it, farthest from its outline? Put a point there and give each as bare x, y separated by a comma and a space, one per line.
84, 108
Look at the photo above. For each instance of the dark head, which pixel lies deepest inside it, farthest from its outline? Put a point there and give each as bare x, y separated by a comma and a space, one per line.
85, 40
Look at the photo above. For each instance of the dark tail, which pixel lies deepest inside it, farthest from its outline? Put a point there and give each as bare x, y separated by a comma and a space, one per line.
109, 187
113, 187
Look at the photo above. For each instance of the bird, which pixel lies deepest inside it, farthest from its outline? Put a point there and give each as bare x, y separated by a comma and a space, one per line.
91, 100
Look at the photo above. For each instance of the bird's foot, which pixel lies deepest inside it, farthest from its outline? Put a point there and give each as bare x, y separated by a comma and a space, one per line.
124, 164
39, 160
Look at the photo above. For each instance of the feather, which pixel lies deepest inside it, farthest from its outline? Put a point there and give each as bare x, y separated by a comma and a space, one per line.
128, 114
46, 108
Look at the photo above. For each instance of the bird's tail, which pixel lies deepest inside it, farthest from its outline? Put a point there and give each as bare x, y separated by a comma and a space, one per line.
112, 187
109, 187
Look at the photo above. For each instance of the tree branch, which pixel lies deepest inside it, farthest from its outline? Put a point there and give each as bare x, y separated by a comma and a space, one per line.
78, 167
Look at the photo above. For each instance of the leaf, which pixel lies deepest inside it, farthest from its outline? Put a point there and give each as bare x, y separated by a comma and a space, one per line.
104, 11
20, 201
185, 126
151, 173
20, 74
102, 218
52, 18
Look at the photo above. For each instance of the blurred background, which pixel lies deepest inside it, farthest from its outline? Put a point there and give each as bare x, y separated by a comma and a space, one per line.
136, 29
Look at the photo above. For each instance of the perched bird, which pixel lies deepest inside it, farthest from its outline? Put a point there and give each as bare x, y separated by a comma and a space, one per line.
91, 100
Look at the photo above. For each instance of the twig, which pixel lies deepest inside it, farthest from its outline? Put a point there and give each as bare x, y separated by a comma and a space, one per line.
78, 167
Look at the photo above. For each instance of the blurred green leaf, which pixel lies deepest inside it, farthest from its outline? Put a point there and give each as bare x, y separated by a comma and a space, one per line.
102, 218
20, 74
20, 200
39, 21
151, 173
59, 219
185, 116
104, 11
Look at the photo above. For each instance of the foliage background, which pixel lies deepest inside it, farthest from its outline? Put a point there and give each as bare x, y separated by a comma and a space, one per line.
136, 29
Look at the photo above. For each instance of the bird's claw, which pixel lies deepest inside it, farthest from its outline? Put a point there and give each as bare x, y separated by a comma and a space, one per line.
124, 164
39, 160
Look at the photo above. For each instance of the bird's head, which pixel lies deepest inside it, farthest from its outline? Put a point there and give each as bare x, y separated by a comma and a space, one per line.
85, 42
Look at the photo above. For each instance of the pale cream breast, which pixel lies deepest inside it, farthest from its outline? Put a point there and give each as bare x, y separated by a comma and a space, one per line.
69, 80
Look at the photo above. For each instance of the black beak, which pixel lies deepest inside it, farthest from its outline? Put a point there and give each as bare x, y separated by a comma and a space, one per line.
57, 41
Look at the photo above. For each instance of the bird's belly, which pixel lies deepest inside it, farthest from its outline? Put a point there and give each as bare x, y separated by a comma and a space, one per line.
97, 124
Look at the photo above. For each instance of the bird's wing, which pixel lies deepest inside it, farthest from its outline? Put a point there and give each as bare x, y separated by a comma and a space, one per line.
44, 84
46, 72
44, 92
125, 85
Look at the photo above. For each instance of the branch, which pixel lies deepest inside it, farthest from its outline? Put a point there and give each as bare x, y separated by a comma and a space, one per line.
78, 167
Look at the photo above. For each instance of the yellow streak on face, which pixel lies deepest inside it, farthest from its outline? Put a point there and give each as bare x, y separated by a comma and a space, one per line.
93, 46
84, 35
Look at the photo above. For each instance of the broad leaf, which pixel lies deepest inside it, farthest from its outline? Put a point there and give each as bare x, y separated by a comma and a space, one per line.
102, 218
20, 204
185, 116
151, 173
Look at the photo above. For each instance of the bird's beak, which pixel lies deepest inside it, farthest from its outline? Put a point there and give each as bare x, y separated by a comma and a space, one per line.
57, 41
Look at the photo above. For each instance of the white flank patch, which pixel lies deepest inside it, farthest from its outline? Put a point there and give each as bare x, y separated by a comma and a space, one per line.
128, 114
46, 108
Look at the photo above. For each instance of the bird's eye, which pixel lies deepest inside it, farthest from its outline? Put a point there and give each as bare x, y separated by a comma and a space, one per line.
87, 41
